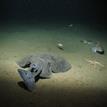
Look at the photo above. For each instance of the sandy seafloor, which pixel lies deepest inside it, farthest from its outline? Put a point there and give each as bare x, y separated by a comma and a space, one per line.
84, 85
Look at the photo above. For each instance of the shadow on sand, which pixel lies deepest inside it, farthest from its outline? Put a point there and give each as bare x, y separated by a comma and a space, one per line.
45, 96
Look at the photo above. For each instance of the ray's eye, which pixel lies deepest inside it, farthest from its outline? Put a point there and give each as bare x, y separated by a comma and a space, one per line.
33, 65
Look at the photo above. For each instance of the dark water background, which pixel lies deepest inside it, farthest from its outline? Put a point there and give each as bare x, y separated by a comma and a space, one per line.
31, 10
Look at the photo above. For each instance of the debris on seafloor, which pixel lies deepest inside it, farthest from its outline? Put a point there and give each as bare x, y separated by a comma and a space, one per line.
70, 25
41, 66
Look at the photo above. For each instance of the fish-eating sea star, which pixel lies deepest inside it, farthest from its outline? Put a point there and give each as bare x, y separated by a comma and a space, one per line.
94, 62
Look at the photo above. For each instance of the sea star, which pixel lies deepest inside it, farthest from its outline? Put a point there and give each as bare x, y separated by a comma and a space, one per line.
94, 62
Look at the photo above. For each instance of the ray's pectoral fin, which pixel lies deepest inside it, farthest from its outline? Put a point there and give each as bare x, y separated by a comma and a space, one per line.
28, 79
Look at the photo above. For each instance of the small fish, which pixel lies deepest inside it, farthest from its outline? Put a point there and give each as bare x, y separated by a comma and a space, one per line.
89, 42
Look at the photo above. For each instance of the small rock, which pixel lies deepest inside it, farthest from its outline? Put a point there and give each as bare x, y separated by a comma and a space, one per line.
60, 46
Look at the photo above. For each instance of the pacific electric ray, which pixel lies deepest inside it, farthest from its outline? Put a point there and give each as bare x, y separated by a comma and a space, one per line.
42, 65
